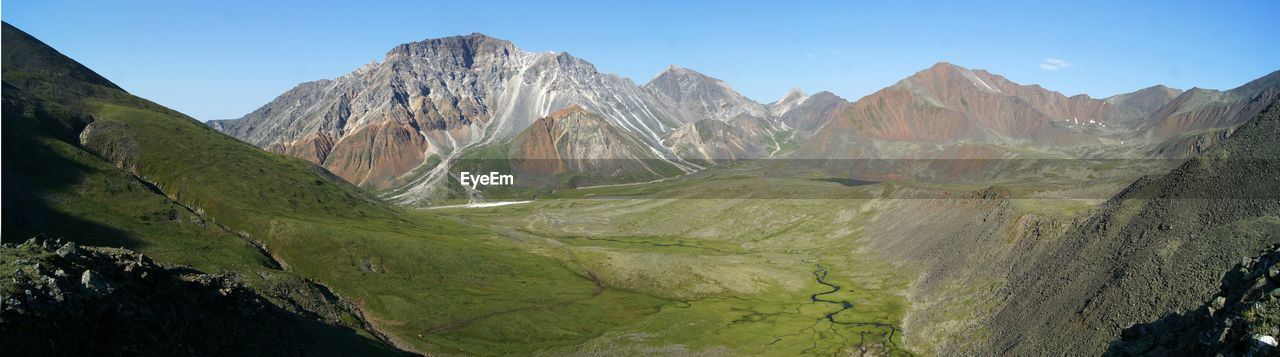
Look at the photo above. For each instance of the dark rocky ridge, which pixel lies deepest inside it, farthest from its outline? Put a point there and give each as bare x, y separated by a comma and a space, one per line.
1157, 247
61, 299
1243, 319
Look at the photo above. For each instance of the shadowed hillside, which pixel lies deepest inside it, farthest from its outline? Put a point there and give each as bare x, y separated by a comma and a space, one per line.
1158, 247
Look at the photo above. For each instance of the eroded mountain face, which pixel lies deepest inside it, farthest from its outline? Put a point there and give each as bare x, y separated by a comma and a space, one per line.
948, 104
573, 140
806, 114
397, 125
928, 113
436, 97
710, 142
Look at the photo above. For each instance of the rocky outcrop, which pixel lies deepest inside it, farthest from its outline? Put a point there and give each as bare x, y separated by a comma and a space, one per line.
62, 299
1242, 319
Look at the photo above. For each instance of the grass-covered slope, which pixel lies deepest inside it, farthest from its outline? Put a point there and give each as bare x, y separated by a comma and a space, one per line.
86, 161
54, 186
58, 187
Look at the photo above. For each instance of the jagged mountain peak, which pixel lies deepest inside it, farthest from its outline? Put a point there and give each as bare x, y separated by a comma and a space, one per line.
698, 96
464, 47
677, 69
1200, 108
792, 95
678, 73
793, 98
439, 97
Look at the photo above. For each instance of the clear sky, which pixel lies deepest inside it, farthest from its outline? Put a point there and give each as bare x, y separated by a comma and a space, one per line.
217, 59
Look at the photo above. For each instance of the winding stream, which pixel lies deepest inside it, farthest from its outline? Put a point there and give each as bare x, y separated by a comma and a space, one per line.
821, 276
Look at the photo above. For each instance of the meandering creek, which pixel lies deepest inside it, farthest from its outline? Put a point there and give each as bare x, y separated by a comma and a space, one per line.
820, 274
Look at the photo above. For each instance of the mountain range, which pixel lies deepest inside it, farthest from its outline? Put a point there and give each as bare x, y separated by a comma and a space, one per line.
398, 125
153, 233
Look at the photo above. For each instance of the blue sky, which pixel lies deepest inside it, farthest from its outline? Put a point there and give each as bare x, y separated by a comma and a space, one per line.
222, 59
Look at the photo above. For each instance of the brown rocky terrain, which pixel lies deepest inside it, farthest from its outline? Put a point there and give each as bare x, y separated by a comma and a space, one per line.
1198, 108
947, 104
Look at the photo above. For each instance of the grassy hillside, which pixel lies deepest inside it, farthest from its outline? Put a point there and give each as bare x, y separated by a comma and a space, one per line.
86, 161
57, 187
725, 261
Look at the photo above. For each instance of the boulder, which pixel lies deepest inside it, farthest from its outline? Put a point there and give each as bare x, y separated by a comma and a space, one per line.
93, 282
67, 249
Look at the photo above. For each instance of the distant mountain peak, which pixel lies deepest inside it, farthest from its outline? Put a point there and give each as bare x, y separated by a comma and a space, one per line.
794, 93
943, 65
696, 95
466, 46
944, 74
793, 98
677, 72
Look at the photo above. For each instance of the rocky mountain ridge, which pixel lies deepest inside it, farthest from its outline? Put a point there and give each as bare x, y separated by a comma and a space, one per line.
440, 96
397, 125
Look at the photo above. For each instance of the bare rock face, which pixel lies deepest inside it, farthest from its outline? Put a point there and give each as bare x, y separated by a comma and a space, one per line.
439, 97
947, 105
400, 123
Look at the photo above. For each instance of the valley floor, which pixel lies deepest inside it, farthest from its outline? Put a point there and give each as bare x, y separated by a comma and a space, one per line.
881, 269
